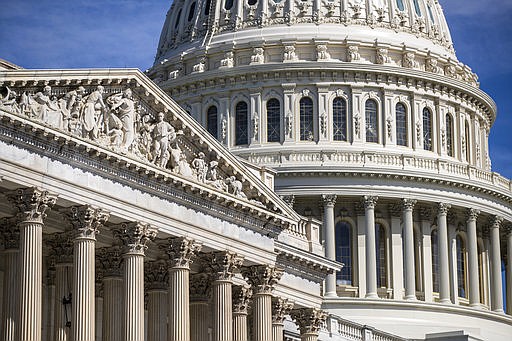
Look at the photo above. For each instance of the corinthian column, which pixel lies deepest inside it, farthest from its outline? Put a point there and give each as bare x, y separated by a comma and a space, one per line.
32, 204
509, 269
10, 234
241, 298
330, 241
110, 261
474, 278
86, 221
497, 287
309, 321
410, 274
444, 268
262, 279
180, 251
371, 252
135, 236
280, 308
62, 252
157, 282
199, 309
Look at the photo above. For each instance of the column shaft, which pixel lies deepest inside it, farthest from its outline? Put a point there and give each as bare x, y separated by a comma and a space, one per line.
262, 316
62, 291
134, 296
199, 319
179, 315
30, 285
371, 254
10, 302
444, 273
112, 308
410, 274
240, 332
277, 331
330, 242
497, 288
157, 315
309, 337
83, 321
474, 278
222, 310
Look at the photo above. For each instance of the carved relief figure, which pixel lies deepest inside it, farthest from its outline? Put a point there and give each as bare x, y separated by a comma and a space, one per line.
39, 104
321, 52
235, 187
163, 134
201, 167
123, 106
382, 56
8, 102
409, 61
289, 53
353, 54
92, 116
257, 57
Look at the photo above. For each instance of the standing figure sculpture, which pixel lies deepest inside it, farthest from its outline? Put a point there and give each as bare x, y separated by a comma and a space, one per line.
163, 135
92, 114
124, 106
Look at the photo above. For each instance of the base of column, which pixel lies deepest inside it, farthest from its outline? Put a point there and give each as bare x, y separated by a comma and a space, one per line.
331, 294
476, 305
445, 301
410, 298
371, 295
499, 311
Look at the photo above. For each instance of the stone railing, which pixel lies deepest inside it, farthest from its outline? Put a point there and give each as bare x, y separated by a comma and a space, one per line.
341, 329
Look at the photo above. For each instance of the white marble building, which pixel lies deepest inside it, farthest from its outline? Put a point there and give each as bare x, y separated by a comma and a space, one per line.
344, 192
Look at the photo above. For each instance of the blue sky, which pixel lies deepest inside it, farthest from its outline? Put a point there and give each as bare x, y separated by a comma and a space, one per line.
125, 33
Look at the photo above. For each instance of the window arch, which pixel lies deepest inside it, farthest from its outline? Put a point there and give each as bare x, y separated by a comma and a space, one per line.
252, 2
401, 124
427, 129
339, 119
273, 120
228, 4
372, 123
449, 135
431, 14
417, 7
435, 260
461, 266
466, 137
207, 7
381, 250
241, 124
400, 4
178, 18
343, 232
191, 11
211, 121
306, 119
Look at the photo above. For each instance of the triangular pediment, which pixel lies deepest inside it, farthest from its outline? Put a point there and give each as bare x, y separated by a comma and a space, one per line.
121, 114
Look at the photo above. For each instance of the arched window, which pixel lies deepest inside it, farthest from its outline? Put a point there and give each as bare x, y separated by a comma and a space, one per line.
431, 14
401, 124
241, 124
400, 4
273, 120
435, 260
461, 266
381, 249
417, 7
372, 123
339, 119
191, 11
177, 22
466, 135
427, 129
306, 119
211, 121
344, 252
449, 135
481, 271
252, 2
228, 4
207, 7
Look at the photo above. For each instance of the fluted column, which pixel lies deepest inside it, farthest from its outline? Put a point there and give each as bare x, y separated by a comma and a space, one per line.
32, 204
474, 278
199, 308
86, 221
241, 298
62, 253
180, 252
280, 308
444, 271
110, 261
262, 279
497, 287
157, 282
410, 273
509, 269
309, 321
330, 241
371, 253
10, 234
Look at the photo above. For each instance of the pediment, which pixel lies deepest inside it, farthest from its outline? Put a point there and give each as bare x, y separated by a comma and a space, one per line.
123, 114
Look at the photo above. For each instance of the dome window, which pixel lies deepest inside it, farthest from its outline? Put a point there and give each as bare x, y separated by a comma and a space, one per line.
306, 119
401, 124
344, 252
427, 129
417, 7
211, 121
372, 123
252, 2
467, 138
241, 125
449, 135
273, 120
178, 17
400, 4
431, 14
191, 11
228, 4
207, 7
461, 266
339, 119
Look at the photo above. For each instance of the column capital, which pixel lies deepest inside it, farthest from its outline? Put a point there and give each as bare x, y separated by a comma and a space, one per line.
369, 201
135, 236
10, 233
359, 208
86, 220
442, 208
508, 230
262, 278
61, 249
408, 204
472, 214
32, 203
110, 260
156, 275
329, 200
222, 264
180, 251
241, 298
496, 221
309, 320
200, 287
280, 308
